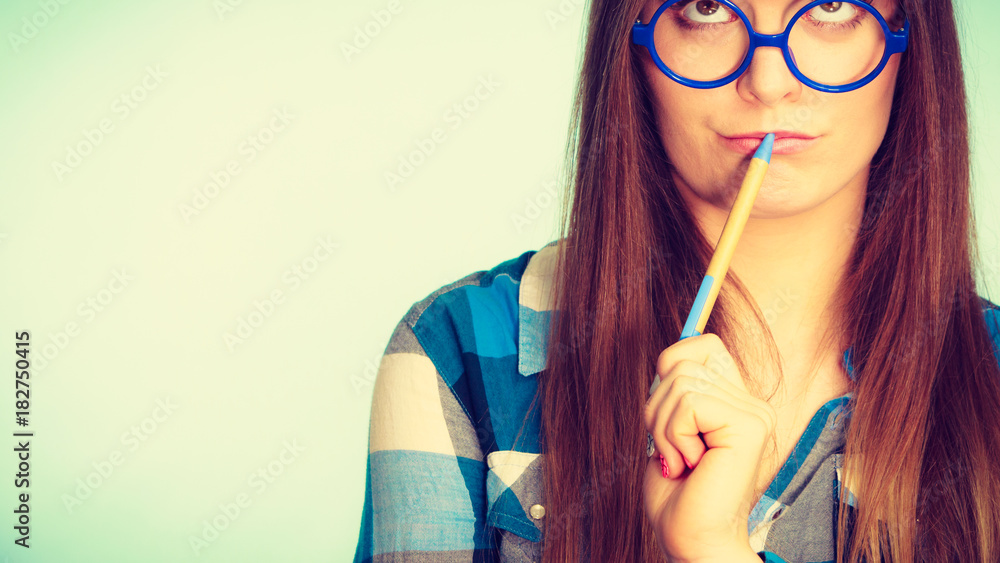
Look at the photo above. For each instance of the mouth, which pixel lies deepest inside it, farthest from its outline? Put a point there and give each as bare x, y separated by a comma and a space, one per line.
785, 142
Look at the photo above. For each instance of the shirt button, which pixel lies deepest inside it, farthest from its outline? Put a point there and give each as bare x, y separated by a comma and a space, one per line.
537, 511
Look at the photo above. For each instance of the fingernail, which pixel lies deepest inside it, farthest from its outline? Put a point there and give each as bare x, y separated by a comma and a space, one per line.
687, 463
664, 468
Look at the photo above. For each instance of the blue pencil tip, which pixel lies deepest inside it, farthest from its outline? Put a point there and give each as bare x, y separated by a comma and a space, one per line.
764, 150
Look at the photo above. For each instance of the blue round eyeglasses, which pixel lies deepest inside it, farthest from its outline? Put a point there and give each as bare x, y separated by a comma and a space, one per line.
828, 46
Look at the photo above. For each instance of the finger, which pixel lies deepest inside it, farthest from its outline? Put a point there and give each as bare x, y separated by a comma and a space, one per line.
706, 349
720, 362
680, 452
720, 424
700, 379
686, 380
709, 352
662, 446
707, 378
662, 385
689, 448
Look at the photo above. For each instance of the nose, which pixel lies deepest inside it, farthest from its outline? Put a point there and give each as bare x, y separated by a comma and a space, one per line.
768, 79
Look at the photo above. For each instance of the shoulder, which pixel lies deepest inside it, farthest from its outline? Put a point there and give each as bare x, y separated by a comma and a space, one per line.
446, 423
479, 314
478, 337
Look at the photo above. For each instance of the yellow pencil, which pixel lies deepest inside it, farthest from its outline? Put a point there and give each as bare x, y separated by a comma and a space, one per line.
719, 265
731, 232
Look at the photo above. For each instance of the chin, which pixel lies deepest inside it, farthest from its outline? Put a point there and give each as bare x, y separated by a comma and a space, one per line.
776, 201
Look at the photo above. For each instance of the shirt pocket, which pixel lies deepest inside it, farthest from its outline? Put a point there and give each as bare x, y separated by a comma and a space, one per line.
515, 503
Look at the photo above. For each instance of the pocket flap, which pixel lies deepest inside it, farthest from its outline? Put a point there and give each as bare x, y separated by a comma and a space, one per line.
513, 486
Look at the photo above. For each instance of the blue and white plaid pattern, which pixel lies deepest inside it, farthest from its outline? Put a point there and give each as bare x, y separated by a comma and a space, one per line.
449, 478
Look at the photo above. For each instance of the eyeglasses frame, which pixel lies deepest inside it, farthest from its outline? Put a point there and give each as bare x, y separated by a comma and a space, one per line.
895, 42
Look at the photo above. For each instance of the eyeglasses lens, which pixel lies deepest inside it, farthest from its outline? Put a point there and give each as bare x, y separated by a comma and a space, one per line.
835, 43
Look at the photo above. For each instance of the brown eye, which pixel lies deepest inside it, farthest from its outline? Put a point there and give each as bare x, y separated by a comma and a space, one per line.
835, 13
707, 8
705, 13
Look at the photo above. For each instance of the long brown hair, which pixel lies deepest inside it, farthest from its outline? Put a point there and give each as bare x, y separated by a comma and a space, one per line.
927, 387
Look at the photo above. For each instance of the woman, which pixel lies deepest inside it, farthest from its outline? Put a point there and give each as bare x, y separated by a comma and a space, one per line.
849, 323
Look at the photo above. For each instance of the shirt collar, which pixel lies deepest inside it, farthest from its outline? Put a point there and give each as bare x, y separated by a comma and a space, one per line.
535, 310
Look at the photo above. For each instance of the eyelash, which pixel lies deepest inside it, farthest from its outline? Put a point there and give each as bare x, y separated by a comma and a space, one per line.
853, 23
687, 25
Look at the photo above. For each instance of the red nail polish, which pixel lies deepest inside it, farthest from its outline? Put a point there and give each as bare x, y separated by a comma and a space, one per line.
687, 463
664, 468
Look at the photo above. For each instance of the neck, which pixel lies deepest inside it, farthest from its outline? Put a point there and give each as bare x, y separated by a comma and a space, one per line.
792, 266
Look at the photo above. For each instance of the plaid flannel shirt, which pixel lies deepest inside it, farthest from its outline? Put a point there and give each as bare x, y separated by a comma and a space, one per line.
450, 480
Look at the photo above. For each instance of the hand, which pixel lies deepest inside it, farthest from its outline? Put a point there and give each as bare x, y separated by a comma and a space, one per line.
701, 514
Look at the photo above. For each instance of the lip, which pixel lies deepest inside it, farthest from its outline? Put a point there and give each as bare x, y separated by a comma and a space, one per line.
785, 142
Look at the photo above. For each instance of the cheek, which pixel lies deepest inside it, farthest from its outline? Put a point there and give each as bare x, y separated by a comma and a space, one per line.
680, 113
871, 105
664, 101
883, 87
885, 84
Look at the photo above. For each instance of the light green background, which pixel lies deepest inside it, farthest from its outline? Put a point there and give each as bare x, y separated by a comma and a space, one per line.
302, 376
